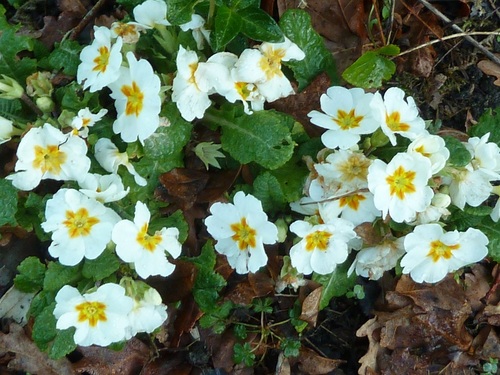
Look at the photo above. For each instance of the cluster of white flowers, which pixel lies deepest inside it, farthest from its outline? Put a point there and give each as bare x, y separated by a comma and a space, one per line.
414, 187
111, 313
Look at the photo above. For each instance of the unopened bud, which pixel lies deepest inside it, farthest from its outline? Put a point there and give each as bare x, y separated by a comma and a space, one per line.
10, 89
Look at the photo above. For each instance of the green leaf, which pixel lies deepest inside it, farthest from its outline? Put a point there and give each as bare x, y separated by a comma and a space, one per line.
260, 26
208, 283
11, 109
263, 137
31, 275
240, 331
488, 123
58, 275
101, 267
8, 203
243, 354
371, 68
11, 64
218, 318
180, 11
63, 343
44, 328
268, 190
296, 24
459, 155
73, 98
242, 4
262, 305
227, 25
335, 284
41, 301
66, 56
176, 220
290, 347
291, 178
492, 231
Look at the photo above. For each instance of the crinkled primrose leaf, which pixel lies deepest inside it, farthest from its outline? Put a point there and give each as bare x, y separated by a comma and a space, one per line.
335, 284
31, 275
8, 203
488, 123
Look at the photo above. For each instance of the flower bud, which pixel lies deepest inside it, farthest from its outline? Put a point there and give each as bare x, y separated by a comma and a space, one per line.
45, 104
38, 84
10, 89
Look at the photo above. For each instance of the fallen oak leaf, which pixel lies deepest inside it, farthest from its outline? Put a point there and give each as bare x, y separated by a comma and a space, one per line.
314, 364
490, 68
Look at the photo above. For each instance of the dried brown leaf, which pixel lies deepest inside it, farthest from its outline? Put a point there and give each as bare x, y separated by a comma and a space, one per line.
490, 68
371, 330
28, 358
310, 307
103, 361
313, 364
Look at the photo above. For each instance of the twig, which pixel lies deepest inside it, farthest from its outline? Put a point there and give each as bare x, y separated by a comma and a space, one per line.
467, 37
459, 35
86, 20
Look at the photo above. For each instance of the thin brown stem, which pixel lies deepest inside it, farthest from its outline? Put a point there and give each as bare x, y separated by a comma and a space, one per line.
86, 20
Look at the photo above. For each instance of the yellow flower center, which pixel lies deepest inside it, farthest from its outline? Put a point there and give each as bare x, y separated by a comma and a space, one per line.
318, 240
49, 159
242, 89
147, 241
440, 250
401, 182
79, 223
244, 235
352, 201
124, 29
421, 150
394, 122
85, 122
346, 120
135, 99
101, 61
355, 167
93, 312
270, 63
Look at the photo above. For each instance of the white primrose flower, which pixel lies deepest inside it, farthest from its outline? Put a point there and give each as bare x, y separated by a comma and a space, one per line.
148, 312
437, 209
356, 207
262, 66
485, 155
151, 13
400, 188
148, 252
347, 115
193, 83
467, 185
432, 147
129, 32
234, 90
322, 246
81, 226
110, 158
100, 61
137, 100
6, 130
342, 172
241, 230
46, 153
105, 189
431, 252
373, 261
397, 115
200, 34
100, 318
84, 120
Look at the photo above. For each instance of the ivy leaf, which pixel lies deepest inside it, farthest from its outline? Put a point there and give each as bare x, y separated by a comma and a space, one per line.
296, 25
227, 26
10, 63
263, 137
101, 267
58, 275
459, 155
488, 123
335, 284
260, 26
31, 275
8, 203
180, 11
372, 68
